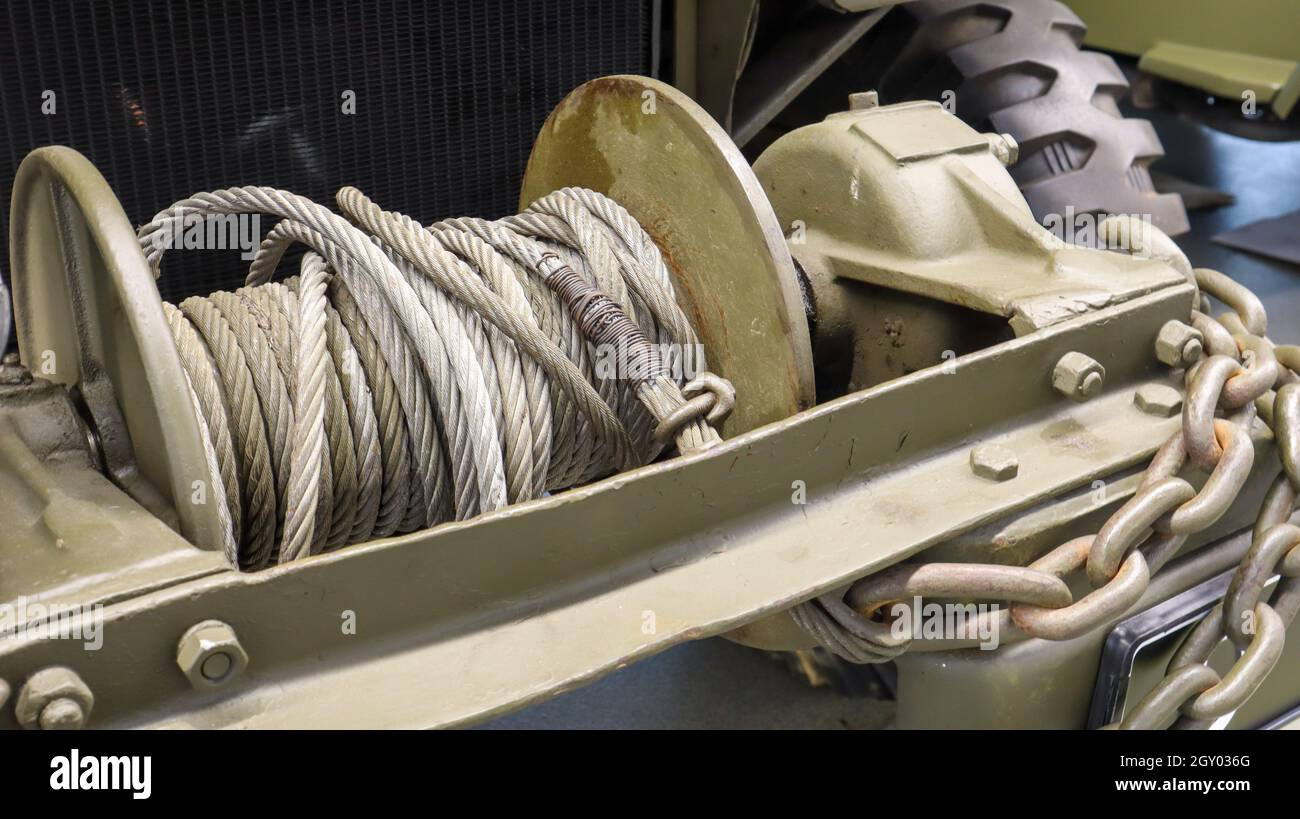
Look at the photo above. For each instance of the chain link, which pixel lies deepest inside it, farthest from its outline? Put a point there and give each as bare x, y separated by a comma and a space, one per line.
1226, 392
1256, 629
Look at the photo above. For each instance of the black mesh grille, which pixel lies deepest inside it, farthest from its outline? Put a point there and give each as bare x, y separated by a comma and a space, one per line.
168, 98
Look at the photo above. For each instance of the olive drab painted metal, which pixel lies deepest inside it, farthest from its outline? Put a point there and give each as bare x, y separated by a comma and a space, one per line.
946, 381
648, 146
1120, 571
89, 317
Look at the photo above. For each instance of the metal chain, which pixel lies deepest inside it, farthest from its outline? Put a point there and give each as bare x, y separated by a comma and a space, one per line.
1226, 392
1193, 695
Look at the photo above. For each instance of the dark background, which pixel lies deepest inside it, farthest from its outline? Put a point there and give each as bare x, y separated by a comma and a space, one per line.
172, 97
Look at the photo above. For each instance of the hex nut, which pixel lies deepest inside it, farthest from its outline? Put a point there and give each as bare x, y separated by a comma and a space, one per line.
1158, 399
210, 655
996, 463
1078, 377
53, 698
1178, 345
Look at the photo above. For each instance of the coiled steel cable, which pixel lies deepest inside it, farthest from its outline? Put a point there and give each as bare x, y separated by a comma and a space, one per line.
410, 375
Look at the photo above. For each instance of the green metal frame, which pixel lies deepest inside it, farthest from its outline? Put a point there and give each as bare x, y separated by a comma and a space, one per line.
470, 619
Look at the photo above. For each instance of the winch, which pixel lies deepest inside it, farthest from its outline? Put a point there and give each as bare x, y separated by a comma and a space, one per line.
427, 477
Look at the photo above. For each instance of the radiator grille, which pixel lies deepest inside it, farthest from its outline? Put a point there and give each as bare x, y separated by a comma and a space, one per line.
168, 98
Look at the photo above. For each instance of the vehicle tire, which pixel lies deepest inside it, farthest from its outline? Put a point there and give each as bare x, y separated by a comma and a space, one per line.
1015, 66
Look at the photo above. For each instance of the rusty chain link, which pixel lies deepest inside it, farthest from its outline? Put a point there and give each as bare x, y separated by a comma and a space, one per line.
1192, 693
1225, 393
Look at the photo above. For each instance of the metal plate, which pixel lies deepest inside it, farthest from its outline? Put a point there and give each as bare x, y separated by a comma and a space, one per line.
88, 315
458, 622
656, 152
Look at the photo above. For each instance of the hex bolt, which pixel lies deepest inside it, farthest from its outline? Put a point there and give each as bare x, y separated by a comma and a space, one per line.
1004, 147
1158, 399
64, 714
864, 100
1179, 345
1078, 377
54, 698
996, 463
210, 655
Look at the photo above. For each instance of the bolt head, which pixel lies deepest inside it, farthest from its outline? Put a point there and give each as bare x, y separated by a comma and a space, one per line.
1179, 345
12, 375
996, 463
209, 654
63, 714
1078, 377
1004, 147
1158, 399
863, 100
59, 691
1013, 149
